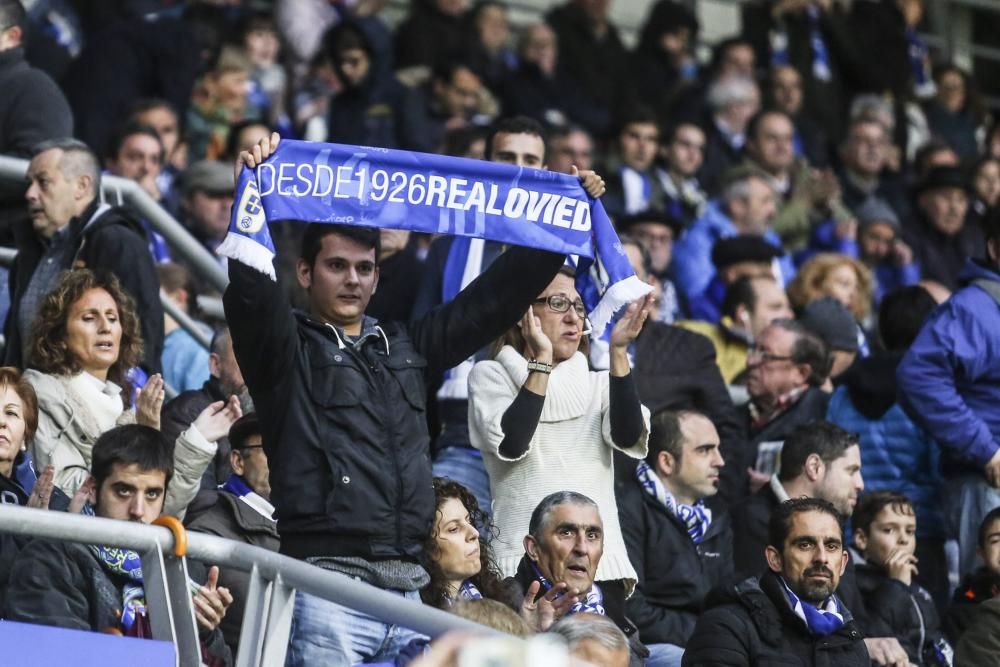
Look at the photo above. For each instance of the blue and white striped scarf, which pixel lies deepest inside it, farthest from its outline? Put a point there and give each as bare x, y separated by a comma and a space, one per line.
592, 604
696, 518
822, 620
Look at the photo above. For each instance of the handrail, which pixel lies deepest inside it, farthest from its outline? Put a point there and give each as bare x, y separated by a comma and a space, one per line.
300, 575
132, 193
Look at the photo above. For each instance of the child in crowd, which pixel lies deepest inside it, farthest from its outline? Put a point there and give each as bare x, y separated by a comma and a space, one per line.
220, 99
979, 586
885, 528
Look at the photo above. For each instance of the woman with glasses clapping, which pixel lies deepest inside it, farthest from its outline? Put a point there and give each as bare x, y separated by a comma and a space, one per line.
545, 422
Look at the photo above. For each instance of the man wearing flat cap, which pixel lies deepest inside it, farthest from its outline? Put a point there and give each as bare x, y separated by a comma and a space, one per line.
940, 237
882, 249
206, 197
736, 257
656, 232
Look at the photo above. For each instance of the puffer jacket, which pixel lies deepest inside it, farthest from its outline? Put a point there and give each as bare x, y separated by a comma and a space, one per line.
344, 423
752, 623
904, 612
67, 432
949, 380
896, 454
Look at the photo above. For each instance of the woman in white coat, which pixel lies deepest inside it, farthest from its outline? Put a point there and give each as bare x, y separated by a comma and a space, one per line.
545, 422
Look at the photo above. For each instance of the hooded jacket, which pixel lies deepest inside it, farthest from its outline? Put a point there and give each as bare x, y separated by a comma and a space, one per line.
975, 589
896, 454
752, 623
949, 380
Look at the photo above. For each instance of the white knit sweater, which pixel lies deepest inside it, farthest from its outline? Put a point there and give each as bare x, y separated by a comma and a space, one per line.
570, 451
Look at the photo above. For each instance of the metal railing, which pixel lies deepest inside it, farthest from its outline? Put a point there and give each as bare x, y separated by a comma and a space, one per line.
130, 193
274, 580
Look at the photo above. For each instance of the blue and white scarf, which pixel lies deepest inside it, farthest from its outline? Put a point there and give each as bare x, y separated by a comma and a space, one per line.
394, 189
125, 564
238, 486
468, 591
592, 604
822, 620
821, 55
696, 518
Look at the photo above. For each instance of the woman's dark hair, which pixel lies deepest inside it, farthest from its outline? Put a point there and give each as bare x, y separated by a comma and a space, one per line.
515, 338
50, 353
489, 581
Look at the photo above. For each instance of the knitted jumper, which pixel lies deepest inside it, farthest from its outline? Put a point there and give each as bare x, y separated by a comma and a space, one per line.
570, 451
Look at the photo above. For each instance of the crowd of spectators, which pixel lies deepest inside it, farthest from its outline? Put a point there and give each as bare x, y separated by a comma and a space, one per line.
788, 451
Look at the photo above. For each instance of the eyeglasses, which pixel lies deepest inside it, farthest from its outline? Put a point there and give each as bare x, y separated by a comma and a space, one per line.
765, 357
559, 303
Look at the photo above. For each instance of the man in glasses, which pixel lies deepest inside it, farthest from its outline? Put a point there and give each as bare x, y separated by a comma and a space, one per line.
785, 368
242, 512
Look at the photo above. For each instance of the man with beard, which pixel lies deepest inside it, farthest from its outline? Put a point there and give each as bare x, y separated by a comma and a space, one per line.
791, 610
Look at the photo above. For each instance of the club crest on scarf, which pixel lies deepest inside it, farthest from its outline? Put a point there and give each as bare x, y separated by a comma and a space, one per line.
395, 189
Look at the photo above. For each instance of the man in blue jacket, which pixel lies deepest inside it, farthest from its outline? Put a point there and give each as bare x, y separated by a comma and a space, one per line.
949, 383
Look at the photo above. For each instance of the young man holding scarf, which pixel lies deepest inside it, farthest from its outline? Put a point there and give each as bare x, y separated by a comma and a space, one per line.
342, 401
663, 512
791, 610
96, 587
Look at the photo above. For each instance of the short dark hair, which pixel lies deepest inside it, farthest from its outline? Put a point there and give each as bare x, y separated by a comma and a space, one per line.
808, 349
312, 239
754, 123
742, 293
901, 316
666, 435
670, 132
144, 104
870, 504
637, 115
820, 437
131, 129
780, 524
132, 444
993, 515
720, 49
458, 141
515, 125
242, 429
12, 14
541, 512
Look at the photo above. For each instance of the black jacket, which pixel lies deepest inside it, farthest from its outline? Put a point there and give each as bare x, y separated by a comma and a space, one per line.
752, 623
976, 588
233, 519
32, 108
941, 257
177, 415
810, 406
904, 612
63, 584
344, 426
114, 242
667, 600
675, 369
750, 519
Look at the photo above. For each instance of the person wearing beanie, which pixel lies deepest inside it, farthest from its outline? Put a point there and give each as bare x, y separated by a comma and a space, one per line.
881, 248
831, 321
